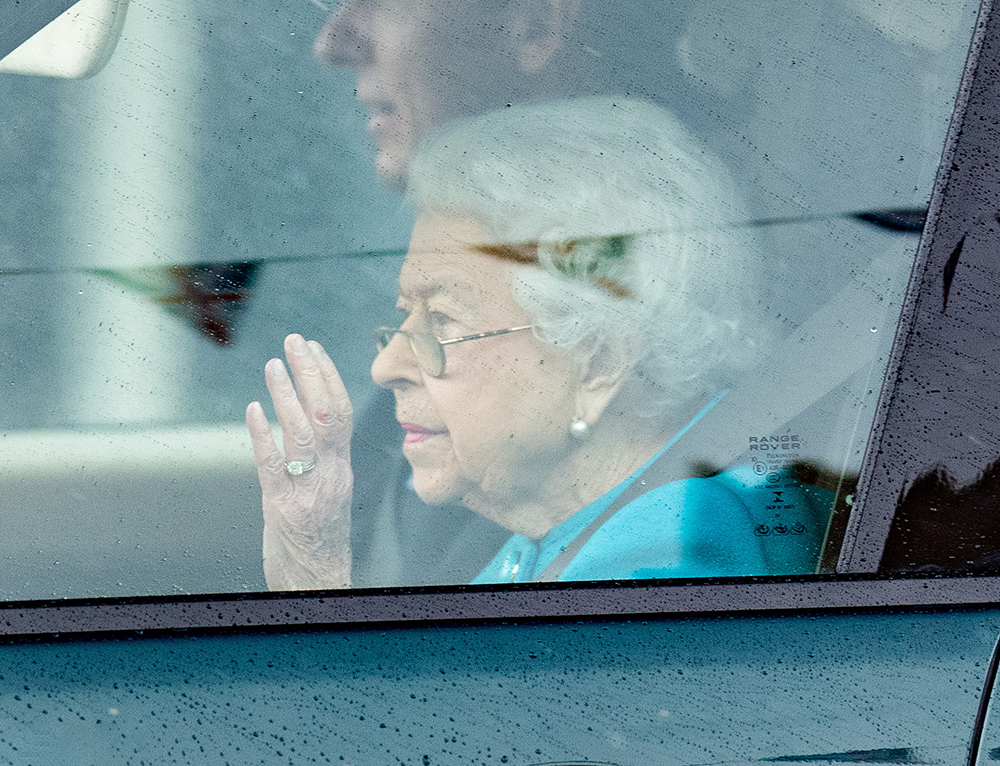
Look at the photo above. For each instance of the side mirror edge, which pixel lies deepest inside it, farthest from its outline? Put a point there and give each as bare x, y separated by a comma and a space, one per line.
59, 38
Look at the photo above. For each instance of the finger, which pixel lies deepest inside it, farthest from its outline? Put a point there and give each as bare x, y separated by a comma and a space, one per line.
296, 431
310, 383
274, 479
338, 420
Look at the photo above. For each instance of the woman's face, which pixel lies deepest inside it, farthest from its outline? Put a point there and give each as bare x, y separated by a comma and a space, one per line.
493, 430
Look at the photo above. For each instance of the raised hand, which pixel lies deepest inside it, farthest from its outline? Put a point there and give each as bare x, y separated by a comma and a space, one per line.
306, 500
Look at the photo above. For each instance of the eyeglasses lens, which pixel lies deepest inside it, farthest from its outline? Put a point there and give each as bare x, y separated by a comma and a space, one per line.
428, 352
383, 336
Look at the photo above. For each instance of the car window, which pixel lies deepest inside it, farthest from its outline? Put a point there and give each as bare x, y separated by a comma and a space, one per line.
638, 269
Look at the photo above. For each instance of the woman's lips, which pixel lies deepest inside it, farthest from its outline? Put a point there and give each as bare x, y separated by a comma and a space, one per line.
414, 434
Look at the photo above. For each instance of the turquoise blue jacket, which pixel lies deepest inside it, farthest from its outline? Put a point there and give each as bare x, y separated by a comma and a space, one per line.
741, 522
724, 526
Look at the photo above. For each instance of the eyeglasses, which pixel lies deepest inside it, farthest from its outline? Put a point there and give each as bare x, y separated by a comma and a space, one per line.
428, 349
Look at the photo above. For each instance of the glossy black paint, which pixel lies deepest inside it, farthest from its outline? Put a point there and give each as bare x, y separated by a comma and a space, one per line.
440, 605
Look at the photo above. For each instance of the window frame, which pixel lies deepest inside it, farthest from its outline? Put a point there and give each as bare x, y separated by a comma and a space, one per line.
463, 604
967, 185
908, 437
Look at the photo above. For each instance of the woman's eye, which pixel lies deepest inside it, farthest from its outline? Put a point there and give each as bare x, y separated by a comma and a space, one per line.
439, 321
443, 325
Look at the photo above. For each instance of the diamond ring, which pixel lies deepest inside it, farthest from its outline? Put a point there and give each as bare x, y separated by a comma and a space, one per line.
299, 467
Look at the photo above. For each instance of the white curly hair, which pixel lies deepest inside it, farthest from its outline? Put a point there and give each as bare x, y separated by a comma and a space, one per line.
637, 229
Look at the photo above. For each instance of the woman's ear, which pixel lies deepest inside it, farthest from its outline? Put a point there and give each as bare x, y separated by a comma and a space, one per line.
601, 379
539, 29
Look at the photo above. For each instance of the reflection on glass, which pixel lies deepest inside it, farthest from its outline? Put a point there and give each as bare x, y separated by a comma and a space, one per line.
944, 525
215, 164
633, 269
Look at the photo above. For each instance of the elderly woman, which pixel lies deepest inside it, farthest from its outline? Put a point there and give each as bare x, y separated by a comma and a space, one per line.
575, 297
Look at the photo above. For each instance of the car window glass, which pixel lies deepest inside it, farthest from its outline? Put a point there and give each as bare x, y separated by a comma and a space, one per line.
666, 248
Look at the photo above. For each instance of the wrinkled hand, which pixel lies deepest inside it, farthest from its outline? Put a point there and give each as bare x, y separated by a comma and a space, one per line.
307, 518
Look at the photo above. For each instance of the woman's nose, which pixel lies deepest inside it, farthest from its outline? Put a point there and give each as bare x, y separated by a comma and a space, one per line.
344, 40
396, 365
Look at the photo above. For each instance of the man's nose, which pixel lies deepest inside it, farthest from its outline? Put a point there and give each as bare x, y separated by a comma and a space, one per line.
396, 366
344, 40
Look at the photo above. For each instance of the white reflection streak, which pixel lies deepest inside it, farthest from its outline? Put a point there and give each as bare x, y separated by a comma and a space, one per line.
130, 173
322, 6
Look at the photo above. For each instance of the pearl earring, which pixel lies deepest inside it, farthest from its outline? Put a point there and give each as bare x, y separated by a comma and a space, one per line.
579, 429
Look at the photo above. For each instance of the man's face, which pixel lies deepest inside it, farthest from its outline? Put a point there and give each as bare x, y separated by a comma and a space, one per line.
419, 64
